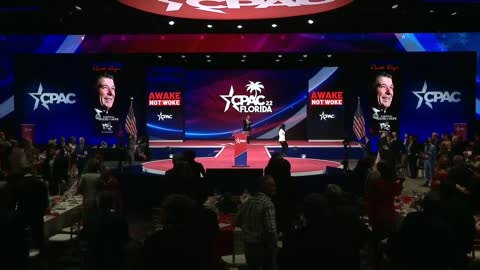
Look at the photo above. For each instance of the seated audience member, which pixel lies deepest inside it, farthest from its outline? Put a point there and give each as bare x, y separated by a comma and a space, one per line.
106, 234
178, 244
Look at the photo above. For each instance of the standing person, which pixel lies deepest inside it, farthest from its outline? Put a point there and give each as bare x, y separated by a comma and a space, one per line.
430, 153
81, 152
72, 145
256, 218
281, 139
247, 127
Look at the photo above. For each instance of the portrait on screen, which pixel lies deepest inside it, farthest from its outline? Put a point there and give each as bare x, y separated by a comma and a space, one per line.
105, 112
384, 110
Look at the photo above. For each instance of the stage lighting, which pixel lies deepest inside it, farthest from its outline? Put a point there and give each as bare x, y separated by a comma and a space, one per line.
303, 156
170, 156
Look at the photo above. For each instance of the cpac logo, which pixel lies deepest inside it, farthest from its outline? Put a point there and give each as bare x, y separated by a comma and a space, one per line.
50, 98
248, 104
384, 126
239, 141
235, 9
162, 117
107, 126
435, 96
324, 116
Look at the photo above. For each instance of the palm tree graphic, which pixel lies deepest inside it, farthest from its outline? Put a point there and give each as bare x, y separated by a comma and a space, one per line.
254, 86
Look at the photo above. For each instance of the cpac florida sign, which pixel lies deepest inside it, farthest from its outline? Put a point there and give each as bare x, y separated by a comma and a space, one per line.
235, 9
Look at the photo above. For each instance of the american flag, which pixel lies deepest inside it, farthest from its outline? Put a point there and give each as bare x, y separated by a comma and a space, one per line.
130, 122
359, 122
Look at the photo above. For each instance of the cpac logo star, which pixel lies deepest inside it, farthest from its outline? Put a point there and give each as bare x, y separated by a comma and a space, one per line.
324, 116
162, 117
50, 98
248, 104
435, 96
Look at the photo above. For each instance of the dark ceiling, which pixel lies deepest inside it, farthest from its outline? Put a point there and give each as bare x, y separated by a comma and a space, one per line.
109, 16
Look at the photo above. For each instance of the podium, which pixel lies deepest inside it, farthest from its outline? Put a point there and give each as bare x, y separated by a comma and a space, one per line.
240, 156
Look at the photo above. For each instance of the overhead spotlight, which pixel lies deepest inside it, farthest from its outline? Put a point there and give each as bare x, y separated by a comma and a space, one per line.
182, 56
305, 55
303, 156
300, 60
310, 21
171, 22
209, 60
279, 56
207, 56
454, 13
274, 25
78, 8
170, 156
239, 26
277, 60
243, 60
159, 56
244, 56
431, 11
209, 26
395, 6
329, 55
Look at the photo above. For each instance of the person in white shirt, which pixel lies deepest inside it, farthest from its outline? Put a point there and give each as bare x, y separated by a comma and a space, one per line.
281, 139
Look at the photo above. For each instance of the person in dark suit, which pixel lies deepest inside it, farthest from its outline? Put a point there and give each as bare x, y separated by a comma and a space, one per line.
32, 200
247, 127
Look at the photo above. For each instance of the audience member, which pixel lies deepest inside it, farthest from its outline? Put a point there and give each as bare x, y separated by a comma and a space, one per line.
90, 185
256, 218
425, 239
177, 245
32, 202
13, 243
106, 234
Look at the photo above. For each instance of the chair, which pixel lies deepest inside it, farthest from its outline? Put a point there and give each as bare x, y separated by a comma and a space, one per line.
237, 259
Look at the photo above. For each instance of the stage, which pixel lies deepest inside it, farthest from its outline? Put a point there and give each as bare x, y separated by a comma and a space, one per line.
306, 158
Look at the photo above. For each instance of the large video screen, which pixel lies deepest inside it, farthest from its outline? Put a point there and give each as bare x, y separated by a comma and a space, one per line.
79, 95
217, 102
90, 96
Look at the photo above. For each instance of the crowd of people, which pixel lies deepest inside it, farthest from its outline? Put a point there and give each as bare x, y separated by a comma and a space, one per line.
355, 225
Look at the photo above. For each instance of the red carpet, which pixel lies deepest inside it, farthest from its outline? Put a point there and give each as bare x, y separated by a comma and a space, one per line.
258, 157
